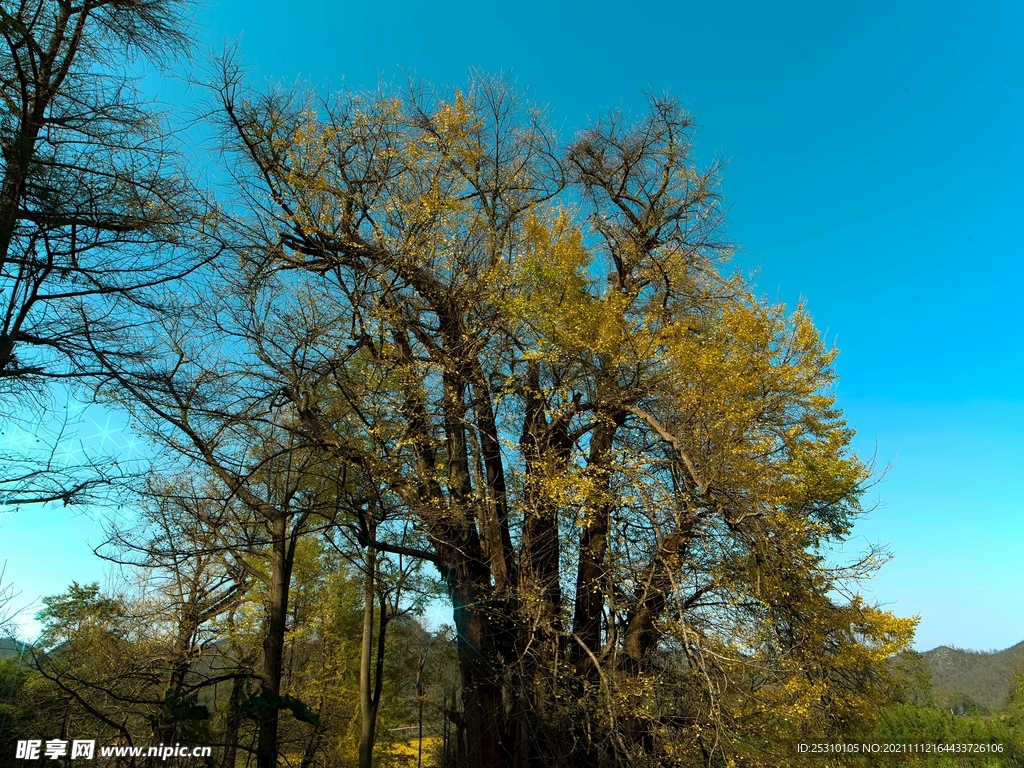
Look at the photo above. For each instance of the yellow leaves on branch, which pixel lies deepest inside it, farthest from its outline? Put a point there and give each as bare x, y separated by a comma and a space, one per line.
557, 302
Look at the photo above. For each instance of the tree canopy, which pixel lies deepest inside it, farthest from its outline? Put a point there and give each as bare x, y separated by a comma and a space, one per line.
626, 466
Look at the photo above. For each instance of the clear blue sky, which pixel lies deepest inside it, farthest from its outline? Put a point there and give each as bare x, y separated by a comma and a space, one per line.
876, 169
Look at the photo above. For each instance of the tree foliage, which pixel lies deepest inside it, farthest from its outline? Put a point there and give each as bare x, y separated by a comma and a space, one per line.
625, 462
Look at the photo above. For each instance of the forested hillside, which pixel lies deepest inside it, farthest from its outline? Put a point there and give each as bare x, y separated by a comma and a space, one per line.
960, 678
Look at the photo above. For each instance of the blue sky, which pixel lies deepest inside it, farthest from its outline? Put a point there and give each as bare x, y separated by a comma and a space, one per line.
876, 169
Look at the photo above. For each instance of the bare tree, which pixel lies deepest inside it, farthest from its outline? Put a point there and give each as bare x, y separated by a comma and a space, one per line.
214, 403
97, 211
184, 551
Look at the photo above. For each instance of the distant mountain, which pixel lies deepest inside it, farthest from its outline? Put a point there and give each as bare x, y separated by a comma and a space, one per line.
982, 677
9, 647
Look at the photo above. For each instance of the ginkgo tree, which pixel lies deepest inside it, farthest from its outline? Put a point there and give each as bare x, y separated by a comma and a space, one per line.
628, 469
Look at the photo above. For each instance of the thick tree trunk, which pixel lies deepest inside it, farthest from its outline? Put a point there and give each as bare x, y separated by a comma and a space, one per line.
641, 633
494, 519
546, 447
487, 733
590, 577
482, 607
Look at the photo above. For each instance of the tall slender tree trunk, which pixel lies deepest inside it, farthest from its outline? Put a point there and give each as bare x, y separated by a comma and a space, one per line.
367, 705
309, 754
273, 642
234, 722
166, 731
371, 684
